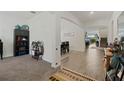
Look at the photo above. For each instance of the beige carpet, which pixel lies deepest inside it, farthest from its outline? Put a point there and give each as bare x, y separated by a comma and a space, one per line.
24, 68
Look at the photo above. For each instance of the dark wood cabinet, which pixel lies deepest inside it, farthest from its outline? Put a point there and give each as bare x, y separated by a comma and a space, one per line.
103, 42
21, 42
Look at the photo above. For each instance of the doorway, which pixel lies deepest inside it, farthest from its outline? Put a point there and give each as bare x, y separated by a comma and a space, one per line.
91, 40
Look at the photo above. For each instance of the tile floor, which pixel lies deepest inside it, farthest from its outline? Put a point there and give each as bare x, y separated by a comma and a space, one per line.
88, 62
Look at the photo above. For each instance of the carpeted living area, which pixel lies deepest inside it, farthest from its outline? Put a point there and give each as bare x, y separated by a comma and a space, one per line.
24, 68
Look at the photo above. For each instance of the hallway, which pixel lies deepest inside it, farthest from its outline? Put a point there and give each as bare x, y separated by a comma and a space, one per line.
88, 62
59, 32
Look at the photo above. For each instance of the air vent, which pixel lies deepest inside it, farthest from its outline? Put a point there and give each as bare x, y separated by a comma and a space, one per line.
33, 12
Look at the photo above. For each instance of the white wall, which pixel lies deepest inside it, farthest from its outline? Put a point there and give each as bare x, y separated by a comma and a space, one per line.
121, 25
121, 30
97, 23
43, 27
69, 16
113, 26
47, 27
72, 33
103, 32
7, 24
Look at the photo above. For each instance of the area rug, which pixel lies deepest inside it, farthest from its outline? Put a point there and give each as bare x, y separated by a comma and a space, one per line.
65, 74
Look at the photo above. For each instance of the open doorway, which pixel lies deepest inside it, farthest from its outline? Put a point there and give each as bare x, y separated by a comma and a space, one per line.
91, 40
72, 37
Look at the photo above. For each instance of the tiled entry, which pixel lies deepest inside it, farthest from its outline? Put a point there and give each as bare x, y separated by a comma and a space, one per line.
88, 62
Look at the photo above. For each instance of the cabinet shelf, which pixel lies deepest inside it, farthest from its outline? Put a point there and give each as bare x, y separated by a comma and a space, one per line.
21, 42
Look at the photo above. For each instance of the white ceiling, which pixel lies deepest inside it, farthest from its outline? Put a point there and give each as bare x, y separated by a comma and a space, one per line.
21, 14
99, 17
85, 16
